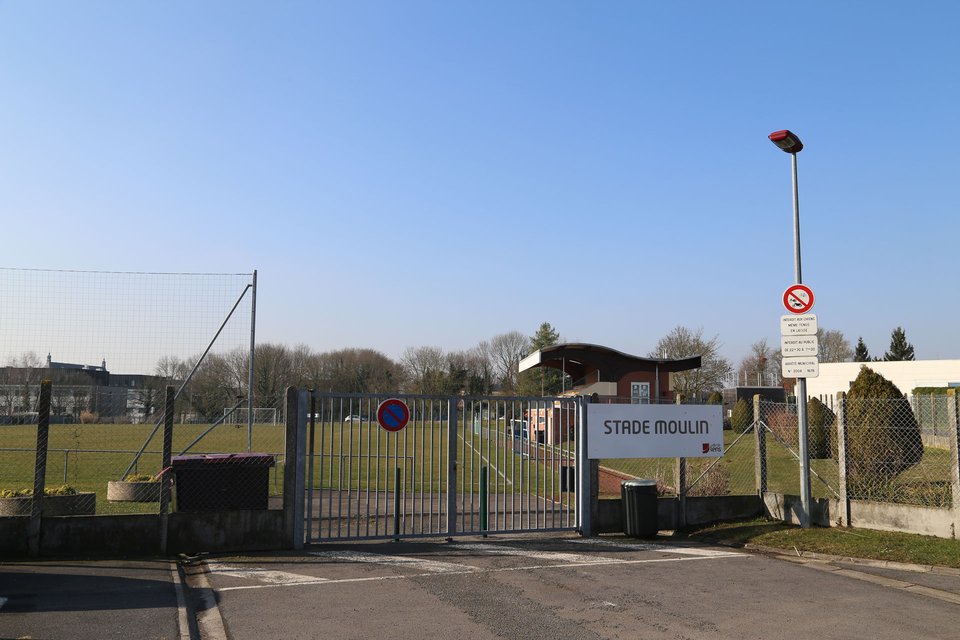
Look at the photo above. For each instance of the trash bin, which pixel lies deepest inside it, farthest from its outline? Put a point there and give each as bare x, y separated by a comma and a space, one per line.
639, 500
222, 482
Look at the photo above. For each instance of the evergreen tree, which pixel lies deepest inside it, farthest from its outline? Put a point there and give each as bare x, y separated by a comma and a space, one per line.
883, 437
742, 416
860, 354
900, 349
820, 426
543, 381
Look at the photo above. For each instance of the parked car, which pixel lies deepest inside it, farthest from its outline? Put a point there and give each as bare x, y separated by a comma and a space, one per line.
355, 418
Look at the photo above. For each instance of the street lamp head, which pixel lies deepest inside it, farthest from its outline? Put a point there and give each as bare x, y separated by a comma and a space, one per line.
786, 140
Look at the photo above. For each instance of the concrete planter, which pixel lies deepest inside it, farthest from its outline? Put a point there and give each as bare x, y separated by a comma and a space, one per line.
120, 491
81, 504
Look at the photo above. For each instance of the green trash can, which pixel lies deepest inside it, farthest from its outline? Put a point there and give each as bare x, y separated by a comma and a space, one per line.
639, 508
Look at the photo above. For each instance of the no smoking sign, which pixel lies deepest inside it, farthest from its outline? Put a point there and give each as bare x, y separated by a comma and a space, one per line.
798, 298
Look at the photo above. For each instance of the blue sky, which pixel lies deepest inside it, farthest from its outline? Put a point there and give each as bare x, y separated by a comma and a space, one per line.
435, 173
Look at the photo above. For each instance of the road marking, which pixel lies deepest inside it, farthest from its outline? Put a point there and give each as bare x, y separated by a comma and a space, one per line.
427, 566
550, 556
660, 548
477, 571
261, 575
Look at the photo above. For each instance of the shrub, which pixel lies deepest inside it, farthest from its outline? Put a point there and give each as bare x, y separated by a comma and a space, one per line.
742, 416
140, 477
820, 428
88, 417
715, 398
882, 432
716, 482
61, 490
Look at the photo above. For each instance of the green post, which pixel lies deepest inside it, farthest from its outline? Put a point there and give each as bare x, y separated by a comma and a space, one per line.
483, 500
396, 505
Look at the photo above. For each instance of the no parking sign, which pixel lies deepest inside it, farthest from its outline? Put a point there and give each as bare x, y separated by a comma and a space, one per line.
393, 414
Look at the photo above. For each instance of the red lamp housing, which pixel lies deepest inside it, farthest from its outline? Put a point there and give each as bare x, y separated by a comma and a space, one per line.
786, 140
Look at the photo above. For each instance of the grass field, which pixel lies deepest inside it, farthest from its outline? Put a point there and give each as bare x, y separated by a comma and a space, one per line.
360, 456
927, 483
356, 456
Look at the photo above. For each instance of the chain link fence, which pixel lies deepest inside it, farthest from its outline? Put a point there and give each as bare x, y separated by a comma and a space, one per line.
111, 343
889, 459
896, 450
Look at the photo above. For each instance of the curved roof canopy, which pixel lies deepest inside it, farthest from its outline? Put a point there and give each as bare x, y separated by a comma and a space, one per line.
580, 359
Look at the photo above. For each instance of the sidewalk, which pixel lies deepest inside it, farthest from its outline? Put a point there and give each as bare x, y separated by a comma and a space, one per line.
92, 599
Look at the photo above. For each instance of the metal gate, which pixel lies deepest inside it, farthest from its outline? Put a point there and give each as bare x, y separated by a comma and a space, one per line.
460, 466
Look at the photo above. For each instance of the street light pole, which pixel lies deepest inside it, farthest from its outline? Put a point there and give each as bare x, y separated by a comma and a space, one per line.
790, 143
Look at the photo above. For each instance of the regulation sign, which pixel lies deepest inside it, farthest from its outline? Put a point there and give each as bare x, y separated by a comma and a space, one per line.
798, 325
393, 414
800, 367
799, 345
654, 431
798, 298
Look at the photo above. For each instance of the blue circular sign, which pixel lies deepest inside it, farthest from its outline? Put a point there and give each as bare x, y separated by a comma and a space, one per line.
393, 414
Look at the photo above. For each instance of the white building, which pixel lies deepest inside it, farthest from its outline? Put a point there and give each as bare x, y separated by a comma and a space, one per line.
906, 374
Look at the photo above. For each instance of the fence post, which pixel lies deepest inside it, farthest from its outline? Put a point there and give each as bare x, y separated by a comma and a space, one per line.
954, 434
843, 460
760, 453
39, 469
167, 444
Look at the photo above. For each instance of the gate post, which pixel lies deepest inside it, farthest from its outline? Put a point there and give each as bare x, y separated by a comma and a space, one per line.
587, 496
293, 467
452, 467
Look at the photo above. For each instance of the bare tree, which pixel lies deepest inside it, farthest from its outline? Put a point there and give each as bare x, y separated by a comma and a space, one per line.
506, 351
833, 346
426, 368
683, 342
759, 367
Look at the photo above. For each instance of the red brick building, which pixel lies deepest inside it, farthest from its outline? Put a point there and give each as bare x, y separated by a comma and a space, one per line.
611, 374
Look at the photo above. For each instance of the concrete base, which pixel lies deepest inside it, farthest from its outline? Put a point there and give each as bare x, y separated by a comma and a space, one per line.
787, 508
700, 510
126, 535
927, 521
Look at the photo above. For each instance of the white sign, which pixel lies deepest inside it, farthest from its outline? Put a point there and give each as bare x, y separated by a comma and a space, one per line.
800, 368
654, 431
798, 325
799, 345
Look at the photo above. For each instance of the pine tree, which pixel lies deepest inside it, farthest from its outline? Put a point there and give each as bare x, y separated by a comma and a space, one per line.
860, 353
900, 349
543, 381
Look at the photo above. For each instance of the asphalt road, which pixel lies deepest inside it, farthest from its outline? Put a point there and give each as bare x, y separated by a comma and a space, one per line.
549, 588
504, 587
89, 600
